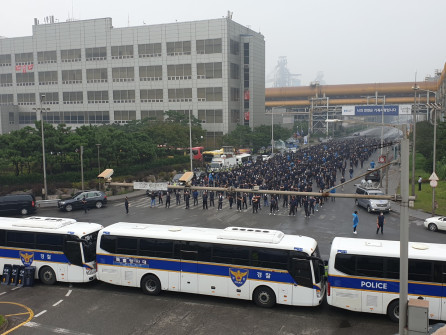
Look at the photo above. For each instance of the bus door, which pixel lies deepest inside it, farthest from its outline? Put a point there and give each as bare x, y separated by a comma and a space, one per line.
73, 251
443, 296
303, 292
188, 268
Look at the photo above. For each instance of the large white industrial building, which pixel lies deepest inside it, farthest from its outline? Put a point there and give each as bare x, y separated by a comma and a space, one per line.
88, 72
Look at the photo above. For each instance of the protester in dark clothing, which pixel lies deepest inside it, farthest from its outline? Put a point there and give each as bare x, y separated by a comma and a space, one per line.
220, 202
178, 197
380, 222
168, 200
211, 199
126, 204
205, 200
84, 204
195, 196
239, 202
187, 198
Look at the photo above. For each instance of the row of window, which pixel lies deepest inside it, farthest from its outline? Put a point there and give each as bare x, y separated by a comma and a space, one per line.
121, 74
208, 46
122, 96
388, 267
100, 117
203, 252
31, 240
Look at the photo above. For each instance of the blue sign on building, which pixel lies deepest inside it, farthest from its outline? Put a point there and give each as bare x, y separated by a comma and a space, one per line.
376, 110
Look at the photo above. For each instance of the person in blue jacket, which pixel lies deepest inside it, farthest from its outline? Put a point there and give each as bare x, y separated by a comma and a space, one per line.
355, 221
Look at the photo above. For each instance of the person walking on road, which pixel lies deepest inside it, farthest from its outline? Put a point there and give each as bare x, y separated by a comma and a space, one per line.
152, 199
84, 204
380, 222
355, 221
187, 197
220, 202
126, 204
205, 200
168, 199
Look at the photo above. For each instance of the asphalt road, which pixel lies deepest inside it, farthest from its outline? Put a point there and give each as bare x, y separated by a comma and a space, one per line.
99, 308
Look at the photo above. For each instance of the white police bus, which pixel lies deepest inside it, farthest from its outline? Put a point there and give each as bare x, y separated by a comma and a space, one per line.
363, 276
243, 263
60, 249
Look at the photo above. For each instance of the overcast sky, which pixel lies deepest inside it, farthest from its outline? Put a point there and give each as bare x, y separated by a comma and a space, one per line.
349, 41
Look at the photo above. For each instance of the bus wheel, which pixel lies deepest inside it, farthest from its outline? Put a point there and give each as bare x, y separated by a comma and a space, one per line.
393, 310
264, 297
151, 285
47, 275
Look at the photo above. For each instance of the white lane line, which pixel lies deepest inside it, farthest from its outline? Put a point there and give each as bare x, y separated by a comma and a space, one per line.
2, 293
55, 330
68, 293
15, 288
57, 303
39, 314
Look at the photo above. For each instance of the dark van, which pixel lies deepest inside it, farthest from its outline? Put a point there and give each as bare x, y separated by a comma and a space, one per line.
17, 203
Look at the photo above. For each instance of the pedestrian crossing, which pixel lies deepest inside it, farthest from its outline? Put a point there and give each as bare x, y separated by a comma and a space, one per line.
145, 203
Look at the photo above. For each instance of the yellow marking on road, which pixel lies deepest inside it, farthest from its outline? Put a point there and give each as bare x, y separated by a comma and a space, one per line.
30, 312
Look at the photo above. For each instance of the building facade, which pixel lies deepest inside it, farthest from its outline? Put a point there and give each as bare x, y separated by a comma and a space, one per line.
88, 72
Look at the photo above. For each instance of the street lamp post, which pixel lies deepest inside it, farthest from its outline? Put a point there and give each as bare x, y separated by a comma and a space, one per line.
45, 188
99, 162
190, 142
98, 145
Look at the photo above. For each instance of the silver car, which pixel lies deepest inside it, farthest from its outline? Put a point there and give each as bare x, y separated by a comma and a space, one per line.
372, 205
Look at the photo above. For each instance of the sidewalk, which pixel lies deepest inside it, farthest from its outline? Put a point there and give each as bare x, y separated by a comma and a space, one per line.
394, 183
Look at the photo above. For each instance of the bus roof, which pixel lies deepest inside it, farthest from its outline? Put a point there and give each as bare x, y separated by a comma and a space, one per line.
385, 248
231, 235
49, 225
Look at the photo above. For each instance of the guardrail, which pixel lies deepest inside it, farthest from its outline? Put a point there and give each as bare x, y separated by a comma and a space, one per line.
47, 203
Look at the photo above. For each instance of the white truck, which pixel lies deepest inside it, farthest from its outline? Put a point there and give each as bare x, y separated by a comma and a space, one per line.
222, 162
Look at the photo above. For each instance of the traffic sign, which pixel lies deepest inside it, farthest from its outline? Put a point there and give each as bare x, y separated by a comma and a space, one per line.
433, 183
382, 159
433, 177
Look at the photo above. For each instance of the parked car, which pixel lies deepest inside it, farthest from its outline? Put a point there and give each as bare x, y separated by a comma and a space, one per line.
17, 203
96, 199
372, 205
435, 223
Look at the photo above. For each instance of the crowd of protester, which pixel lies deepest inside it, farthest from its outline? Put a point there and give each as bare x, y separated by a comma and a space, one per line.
310, 169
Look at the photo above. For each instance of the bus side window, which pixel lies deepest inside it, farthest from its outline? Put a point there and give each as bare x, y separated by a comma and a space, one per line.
108, 243
301, 272
2, 237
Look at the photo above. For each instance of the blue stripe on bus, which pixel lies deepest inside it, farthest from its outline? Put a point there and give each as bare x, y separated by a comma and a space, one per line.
199, 268
29, 256
388, 286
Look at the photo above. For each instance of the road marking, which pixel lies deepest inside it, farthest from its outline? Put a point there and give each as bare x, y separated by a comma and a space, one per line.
57, 303
39, 314
68, 293
2, 293
17, 314
15, 288
30, 312
55, 330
